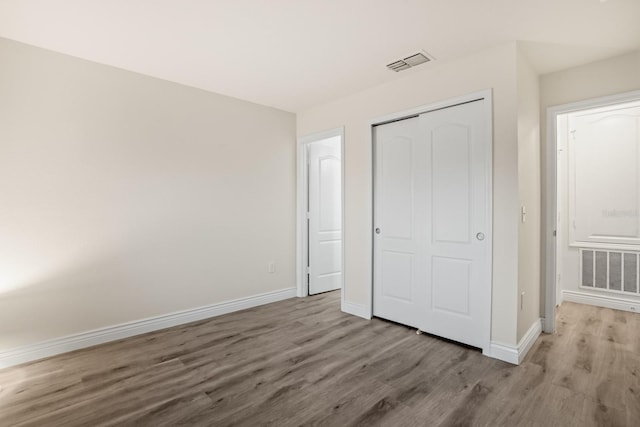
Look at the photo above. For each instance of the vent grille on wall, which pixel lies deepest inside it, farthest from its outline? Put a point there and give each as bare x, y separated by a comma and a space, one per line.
615, 271
409, 61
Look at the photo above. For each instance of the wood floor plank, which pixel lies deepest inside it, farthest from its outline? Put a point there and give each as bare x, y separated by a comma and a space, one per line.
170, 413
304, 362
38, 394
344, 402
108, 402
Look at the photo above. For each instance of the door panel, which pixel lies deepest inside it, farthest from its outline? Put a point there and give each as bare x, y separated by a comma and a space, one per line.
451, 279
325, 216
604, 171
431, 194
397, 249
397, 275
329, 257
460, 280
329, 182
396, 181
451, 187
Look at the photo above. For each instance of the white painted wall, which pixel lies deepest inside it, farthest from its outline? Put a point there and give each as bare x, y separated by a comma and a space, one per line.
493, 68
611, 76
529, 190
124, 196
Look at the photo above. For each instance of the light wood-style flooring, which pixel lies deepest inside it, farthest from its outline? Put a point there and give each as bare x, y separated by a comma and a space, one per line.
303, 362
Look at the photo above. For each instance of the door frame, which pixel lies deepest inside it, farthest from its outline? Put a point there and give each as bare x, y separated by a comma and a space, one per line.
551, 155
487, 96
302, 237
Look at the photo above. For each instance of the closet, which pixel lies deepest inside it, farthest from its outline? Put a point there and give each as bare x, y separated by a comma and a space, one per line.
432, 222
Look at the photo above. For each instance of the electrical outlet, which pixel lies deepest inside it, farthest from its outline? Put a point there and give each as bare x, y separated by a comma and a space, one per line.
271, 267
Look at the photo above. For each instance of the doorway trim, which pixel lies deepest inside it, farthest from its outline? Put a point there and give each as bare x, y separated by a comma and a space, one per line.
487, 96
551, 156
302, 244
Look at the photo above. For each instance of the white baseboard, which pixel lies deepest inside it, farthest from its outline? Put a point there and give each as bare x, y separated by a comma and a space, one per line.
356, 309
529, 339
515, 354
560, 299
615, 303
504, 352
56, 346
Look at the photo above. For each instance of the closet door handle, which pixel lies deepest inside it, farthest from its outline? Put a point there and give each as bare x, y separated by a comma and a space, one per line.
480, 236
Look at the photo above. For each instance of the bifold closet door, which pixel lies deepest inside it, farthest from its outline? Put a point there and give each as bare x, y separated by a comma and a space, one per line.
431, 219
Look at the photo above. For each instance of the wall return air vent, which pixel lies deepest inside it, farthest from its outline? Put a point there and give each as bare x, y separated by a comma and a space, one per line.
410, 61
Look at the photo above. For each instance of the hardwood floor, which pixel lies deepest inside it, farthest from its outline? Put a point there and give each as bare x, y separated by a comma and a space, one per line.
303, 362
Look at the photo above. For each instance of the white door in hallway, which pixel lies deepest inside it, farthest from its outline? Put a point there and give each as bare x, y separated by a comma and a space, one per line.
432, 247
325, 216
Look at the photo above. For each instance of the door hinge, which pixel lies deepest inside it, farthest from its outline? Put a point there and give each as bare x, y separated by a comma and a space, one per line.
308, 215
555, 233
308, 269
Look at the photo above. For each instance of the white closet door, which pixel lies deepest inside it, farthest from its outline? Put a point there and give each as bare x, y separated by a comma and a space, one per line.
325, 216
457, 245
432, 252
399, 211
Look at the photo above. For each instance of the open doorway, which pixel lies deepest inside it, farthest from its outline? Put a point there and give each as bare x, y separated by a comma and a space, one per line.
320, 213
593, 204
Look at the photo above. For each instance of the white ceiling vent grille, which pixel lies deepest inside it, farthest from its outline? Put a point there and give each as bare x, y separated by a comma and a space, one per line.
409, 61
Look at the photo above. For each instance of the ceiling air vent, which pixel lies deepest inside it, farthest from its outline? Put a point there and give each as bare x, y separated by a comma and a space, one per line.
409, 61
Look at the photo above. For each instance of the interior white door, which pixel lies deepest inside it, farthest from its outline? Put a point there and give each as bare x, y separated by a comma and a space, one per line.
399, 209
325, 216
604, 175
432, 253
458, 244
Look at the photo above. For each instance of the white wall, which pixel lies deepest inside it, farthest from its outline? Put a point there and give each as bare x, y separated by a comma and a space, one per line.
124, 196
610, 76
529, 190
494, 68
